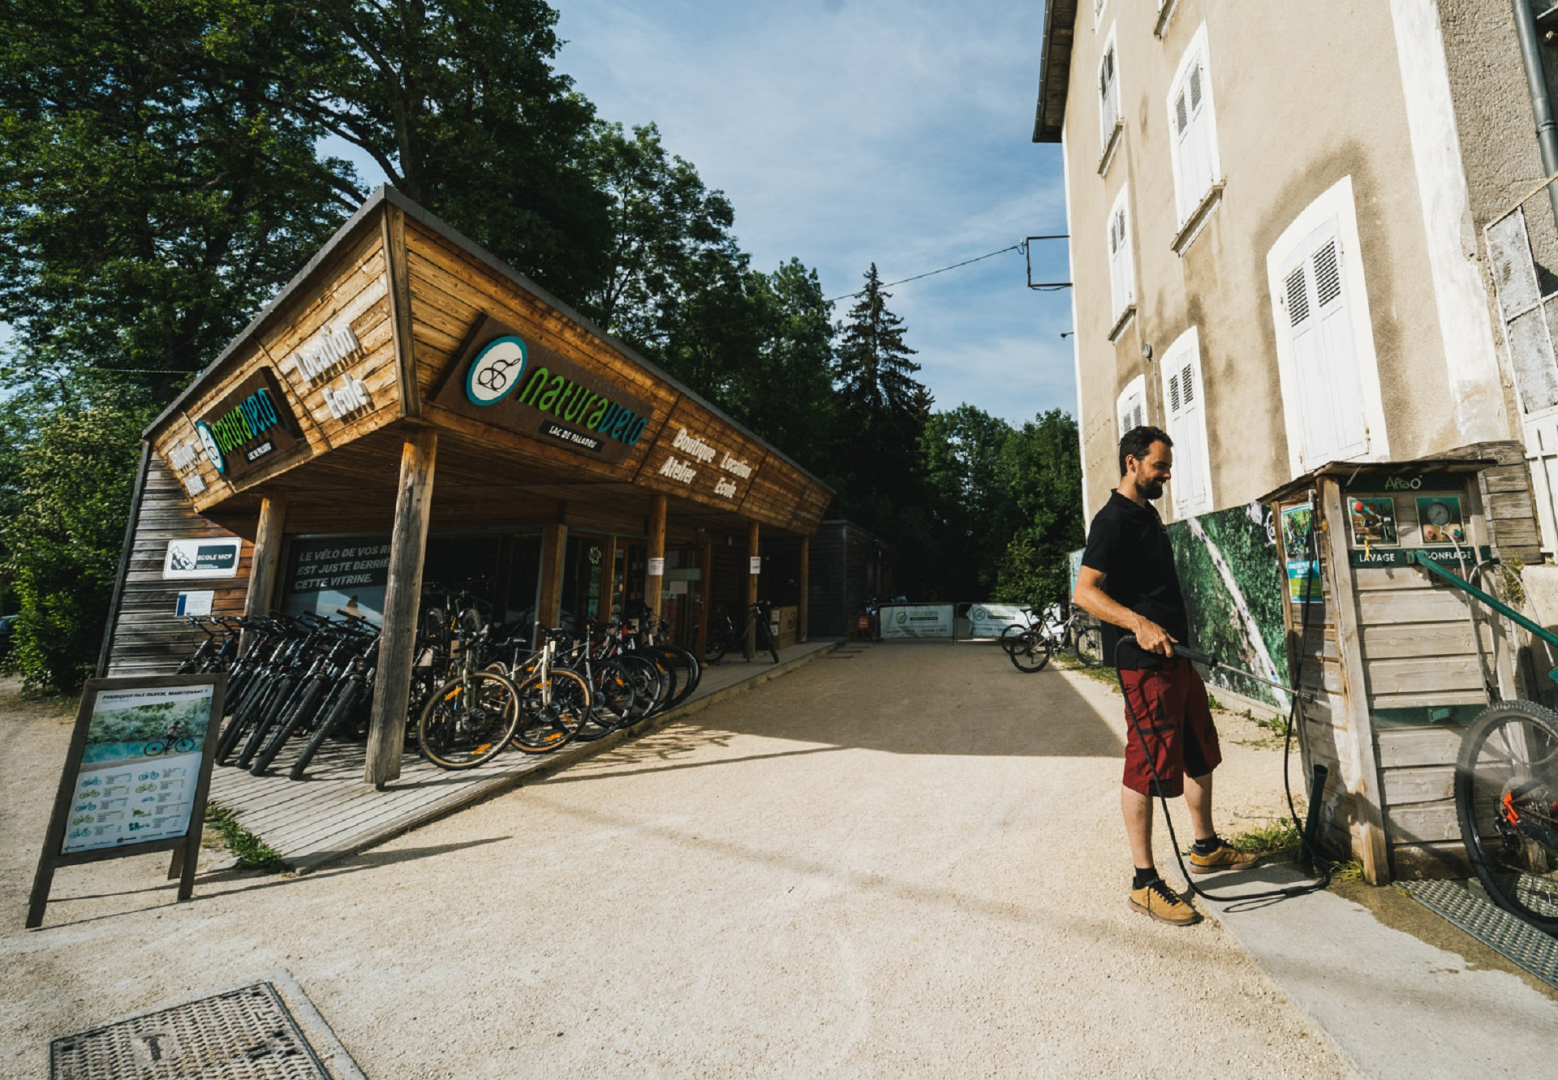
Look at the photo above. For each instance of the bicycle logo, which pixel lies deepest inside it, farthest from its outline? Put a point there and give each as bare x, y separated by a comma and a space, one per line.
496, 370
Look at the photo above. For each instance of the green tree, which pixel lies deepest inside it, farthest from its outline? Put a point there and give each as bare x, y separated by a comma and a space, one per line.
71, 493
1042, 466
149, 200
973, 500
460, 105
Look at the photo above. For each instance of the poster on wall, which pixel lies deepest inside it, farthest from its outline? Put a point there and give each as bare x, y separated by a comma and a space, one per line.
216, 558
917, 621
339, 575
1298, 551
135, 776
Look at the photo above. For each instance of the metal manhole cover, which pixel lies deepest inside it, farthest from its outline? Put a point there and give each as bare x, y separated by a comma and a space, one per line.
239, 1035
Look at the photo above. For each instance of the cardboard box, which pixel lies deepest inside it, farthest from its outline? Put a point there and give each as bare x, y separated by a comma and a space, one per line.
784, 622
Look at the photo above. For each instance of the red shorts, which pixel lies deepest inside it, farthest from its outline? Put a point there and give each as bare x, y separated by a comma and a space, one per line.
1170, 706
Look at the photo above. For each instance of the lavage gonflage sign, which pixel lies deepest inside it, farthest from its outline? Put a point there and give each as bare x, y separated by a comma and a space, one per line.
249, 428
523, 386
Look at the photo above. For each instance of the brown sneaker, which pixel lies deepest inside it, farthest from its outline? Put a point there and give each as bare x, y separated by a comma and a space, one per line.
1224, 858
1164, 904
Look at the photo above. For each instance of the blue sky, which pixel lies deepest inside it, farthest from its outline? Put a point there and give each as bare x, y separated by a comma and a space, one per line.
853, 131
847, 132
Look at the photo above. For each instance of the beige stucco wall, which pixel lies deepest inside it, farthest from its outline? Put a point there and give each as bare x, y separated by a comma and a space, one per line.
1305, 94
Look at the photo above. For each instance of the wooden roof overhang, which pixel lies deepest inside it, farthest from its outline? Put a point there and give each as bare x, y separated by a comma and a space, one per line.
1049, 116
378, 335
1346, 471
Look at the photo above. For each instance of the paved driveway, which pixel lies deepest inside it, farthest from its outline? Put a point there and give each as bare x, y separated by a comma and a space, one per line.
902, 861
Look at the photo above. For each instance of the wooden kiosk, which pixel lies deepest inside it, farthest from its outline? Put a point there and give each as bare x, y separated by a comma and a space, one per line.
407, 385
1399, 662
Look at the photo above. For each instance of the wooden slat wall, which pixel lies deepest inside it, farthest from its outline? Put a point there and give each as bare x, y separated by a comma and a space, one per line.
148, 638
351, 290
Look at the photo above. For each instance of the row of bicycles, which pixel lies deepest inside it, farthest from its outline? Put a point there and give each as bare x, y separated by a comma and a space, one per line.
478, 687
1055, 631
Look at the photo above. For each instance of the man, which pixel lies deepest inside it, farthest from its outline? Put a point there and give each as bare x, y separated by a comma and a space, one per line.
1127, 580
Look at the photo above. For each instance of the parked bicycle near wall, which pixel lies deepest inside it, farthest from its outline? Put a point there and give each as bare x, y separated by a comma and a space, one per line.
1031, 644
725, 636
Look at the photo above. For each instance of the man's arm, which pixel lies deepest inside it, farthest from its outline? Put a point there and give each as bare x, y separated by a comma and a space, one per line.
1091, 598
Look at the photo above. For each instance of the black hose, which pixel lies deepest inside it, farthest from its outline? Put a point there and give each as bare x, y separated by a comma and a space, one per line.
1157, 783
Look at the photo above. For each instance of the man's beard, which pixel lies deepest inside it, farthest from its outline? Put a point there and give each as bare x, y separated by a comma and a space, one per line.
1152, 489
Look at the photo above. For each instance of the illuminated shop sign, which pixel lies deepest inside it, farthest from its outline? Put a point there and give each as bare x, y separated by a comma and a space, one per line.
523, 386
249, 428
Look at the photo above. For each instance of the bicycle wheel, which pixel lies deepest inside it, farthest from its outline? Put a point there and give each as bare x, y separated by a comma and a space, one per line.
1011, 637
551, 711
1031, 652
184, 746
681, 666
468, 720
714, 648
648, 685
1089, 645
155, 748
611, 697
1506, 796
334, 720
765, 639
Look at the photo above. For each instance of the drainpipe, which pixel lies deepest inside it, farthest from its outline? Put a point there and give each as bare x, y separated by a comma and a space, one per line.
1541, 103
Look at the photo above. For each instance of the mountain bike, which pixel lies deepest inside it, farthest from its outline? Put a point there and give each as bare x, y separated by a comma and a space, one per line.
724, 636
176, 740
1506, 797
1031, 645
472, 716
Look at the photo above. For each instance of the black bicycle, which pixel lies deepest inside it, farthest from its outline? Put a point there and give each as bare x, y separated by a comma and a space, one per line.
1506, 796
725, 636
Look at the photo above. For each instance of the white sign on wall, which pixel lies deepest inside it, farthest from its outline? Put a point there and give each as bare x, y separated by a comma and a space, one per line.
215, 558
755, 565
656, 567
194, 603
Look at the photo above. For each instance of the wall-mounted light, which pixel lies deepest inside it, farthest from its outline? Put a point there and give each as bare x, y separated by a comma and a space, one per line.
1146, 350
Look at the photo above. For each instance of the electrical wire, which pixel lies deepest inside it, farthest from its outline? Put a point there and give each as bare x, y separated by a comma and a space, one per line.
929, 273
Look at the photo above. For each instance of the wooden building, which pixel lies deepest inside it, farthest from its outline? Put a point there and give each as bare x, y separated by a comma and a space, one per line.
1398, 661
409, 408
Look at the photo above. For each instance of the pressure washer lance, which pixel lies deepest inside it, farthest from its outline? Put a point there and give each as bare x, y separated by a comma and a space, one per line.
1318, 776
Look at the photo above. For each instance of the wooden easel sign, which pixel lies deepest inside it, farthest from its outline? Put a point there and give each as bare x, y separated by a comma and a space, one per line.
135, 777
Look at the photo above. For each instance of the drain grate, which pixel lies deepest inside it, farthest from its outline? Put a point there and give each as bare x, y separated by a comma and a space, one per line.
245, 1034
1496, 928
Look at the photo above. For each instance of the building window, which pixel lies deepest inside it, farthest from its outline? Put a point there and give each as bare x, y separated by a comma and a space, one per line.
1193, 129
1122, 277
1098, 11
1130, 409
1108, 94
1325, 346
1184, 395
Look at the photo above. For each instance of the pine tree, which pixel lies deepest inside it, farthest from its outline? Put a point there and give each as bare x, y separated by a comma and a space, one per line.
875, 375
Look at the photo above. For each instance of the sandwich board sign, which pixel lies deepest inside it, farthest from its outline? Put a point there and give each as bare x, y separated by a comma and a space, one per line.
136, 777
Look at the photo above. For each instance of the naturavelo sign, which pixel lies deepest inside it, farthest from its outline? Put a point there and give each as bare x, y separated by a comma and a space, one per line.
249, 428
509, 381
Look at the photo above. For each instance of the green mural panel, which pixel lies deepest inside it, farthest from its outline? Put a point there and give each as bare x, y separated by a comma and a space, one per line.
1232, 576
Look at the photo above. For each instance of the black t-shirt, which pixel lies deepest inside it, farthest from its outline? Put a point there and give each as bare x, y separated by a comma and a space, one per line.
1129, 545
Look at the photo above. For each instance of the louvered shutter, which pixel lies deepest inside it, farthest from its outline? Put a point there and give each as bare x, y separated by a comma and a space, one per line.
1131, 409
1121, 273
1186, 426
1108, 94
1325, 361
1191, 120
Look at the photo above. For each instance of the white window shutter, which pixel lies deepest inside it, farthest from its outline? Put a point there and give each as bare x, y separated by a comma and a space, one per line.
1325, 363
1121, 274
1131, 409
1182, 138
1192, 493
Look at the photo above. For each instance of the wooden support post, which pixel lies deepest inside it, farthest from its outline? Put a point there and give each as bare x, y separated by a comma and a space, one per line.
656, 554
804, 613
608, 579
705, 593
402, 598
751, 620
263, 571
1360, 760
554, 549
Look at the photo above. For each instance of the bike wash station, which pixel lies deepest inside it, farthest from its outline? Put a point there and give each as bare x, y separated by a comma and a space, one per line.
409, 409
1400, 634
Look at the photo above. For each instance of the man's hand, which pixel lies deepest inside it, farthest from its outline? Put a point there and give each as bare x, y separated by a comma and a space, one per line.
1153, 638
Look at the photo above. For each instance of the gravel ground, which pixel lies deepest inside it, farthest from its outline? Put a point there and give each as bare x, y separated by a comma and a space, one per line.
906, 861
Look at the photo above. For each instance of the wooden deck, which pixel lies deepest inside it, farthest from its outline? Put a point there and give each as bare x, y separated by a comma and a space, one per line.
333, 813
